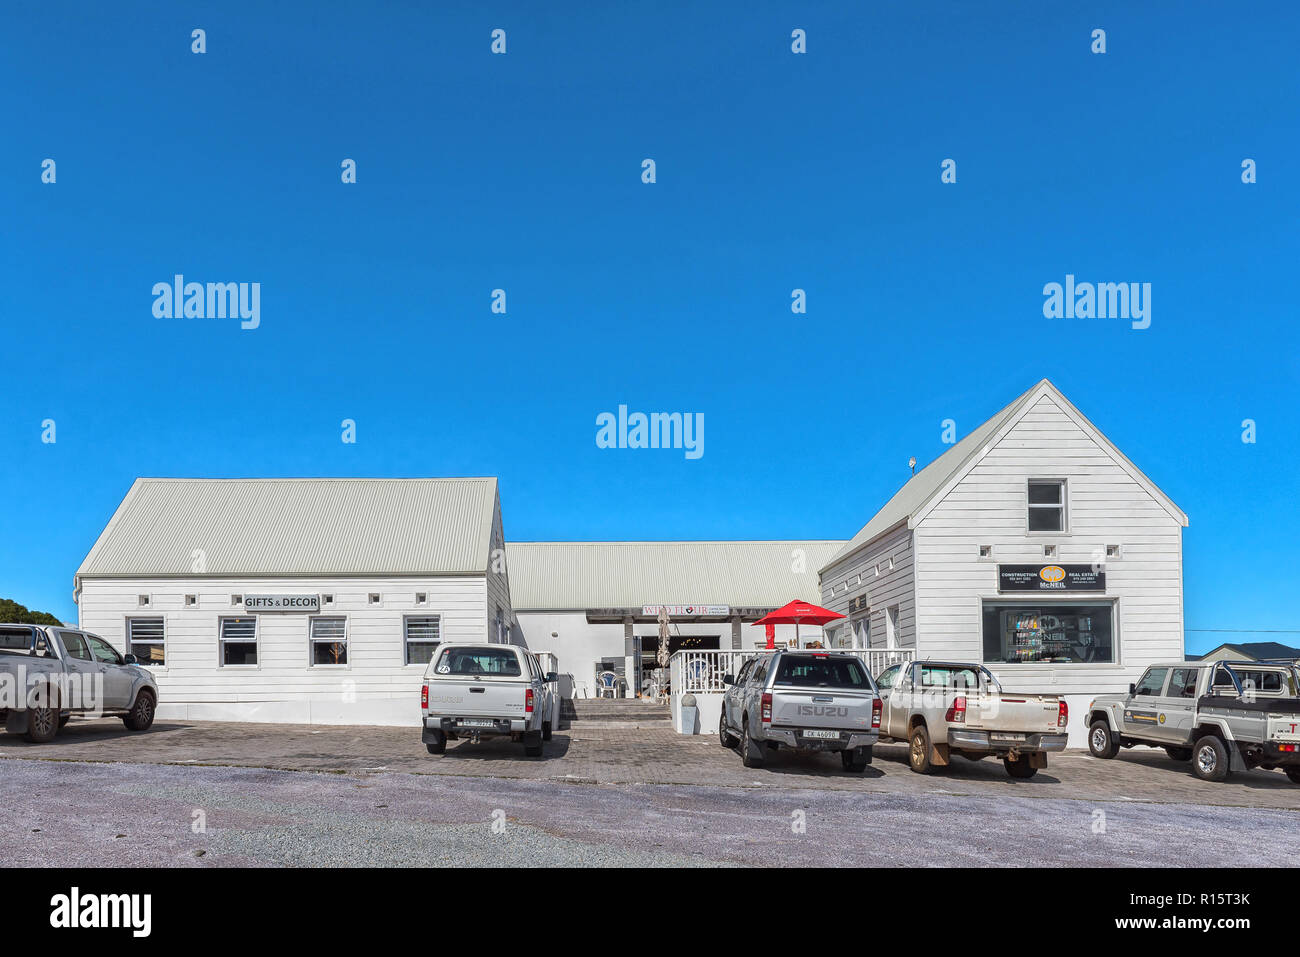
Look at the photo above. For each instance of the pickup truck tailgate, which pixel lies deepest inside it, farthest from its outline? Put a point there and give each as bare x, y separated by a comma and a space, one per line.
489, 698
832, 708
1032, 714
1284, 728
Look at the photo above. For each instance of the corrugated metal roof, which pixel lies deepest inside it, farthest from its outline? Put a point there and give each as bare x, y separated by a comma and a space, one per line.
909, 499
576, 575
312, 526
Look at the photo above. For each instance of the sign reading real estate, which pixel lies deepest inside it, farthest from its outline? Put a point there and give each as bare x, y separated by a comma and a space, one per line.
1038, 578
688, 610
303, 603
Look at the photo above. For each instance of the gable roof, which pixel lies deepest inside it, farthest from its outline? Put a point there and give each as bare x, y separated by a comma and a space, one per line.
568, 576
1255, 650
926, 487
301, 526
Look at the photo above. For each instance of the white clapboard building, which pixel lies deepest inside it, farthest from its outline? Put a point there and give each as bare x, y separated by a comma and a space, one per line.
301, 600
1034, 546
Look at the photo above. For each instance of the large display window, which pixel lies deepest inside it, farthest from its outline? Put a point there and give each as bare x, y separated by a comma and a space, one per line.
1049, 632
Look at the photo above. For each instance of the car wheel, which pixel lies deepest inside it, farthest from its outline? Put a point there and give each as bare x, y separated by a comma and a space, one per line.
438, 745
140, 717
1210, 759
751, 753
533, 744
725, 738
854, 759
918, 752
1293, 773
42, 725
1179, 754
1021, 770
546, 731
1101, 741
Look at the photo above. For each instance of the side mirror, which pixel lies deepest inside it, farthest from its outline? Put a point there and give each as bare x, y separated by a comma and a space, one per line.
1132, 689
42, 646
728, 679
551, 677
130, 660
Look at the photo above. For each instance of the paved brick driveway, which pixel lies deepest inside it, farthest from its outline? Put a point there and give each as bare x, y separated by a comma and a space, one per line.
613, 755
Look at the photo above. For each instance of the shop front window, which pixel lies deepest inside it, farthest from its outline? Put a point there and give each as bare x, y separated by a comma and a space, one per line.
1049, 633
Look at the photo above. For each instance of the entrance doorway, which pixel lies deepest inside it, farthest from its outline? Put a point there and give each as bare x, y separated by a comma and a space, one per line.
650, 649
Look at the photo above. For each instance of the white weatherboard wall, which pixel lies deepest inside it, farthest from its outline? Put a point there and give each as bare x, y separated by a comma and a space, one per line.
1107, 505
375, 687
884, 572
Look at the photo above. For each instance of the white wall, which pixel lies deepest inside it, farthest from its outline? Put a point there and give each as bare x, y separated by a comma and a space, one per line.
1107, 506
374, 687
867, 572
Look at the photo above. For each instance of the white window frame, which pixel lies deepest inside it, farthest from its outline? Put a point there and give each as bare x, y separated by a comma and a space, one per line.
312, 641
1116, 636
131, 641
406, 640
1064, 506
256, 642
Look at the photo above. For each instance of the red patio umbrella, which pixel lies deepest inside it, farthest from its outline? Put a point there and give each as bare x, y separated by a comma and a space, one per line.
795, 613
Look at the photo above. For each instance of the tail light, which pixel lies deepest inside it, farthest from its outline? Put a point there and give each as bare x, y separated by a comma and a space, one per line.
875, 713
1287, 748
765, 708
528, 701
1062, 714
957, 712
424, 697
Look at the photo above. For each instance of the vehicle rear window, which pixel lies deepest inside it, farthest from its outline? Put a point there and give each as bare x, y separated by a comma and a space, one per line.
811, 671
15, 639
945, 676
1266, 681
479, 661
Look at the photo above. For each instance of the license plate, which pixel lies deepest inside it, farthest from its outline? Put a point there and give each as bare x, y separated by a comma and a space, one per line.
477, 723
821, 734
996, 736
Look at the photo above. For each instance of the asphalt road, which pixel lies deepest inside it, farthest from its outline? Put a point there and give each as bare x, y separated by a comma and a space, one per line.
72, 813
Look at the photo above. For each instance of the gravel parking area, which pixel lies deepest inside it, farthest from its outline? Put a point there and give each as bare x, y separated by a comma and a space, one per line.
78, 814
645, 756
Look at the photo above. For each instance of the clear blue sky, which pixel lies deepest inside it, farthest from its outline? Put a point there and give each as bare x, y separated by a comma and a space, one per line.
522, 171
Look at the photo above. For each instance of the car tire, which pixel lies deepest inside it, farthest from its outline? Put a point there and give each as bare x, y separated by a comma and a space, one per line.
533, 744
438, 745
1021, 770
1101, 740
42, 725
918, 750
1293, 772
1210, 758
751, 752
140, 717
546, 731
725, 738
1179, 754
854, 759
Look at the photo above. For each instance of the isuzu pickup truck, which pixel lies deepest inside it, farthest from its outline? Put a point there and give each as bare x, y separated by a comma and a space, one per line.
1223, 716
942, 708
482, 691
47, 674
805, 700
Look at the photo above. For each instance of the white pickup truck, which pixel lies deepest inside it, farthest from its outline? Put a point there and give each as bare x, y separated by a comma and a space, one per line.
479, 691
942, 708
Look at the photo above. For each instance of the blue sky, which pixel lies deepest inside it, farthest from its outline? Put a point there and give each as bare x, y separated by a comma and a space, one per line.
775, 171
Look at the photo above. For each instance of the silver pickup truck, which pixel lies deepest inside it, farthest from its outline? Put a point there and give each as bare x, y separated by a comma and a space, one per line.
805, 700
1223, 716
942, 708
481, 691
47, 674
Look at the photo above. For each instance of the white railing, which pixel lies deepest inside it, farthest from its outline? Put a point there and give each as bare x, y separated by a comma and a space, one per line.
701, 672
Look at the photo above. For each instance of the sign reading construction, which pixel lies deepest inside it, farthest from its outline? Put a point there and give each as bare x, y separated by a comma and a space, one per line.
1051, 578
301, 603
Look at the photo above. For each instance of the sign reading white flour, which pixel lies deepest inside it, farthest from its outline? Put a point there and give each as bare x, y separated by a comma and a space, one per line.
302, 603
